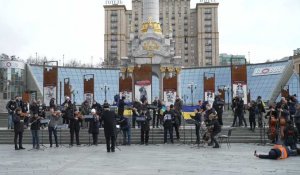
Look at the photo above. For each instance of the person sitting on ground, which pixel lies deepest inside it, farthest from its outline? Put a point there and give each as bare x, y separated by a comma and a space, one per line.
278, 152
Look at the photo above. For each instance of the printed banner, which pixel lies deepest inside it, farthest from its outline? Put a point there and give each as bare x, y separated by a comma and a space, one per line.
169, 97
143, 90
240, 90
50, 92
127, 95
89, 97
209, 96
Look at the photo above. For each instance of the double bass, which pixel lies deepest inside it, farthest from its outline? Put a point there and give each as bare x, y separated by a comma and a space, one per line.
282, 124
272, 127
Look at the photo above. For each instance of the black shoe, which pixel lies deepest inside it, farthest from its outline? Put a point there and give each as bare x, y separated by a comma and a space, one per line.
50, 146
216, 146
146, 144
78, 144
113, 150
22, 147
16, 148
56, 145
210, 144
108, 151
142, 143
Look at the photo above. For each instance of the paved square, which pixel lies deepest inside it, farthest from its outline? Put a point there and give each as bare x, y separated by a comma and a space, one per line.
136, 159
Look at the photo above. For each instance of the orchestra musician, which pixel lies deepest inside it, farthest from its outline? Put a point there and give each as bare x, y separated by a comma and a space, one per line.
94, 126
167, 123
273, 124
109, 119
145, 125
35, 127
74, 126
282, 115
54, 121
67, 110
18, 120
198, 119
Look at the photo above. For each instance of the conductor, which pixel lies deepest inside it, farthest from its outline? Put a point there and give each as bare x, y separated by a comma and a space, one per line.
109, 119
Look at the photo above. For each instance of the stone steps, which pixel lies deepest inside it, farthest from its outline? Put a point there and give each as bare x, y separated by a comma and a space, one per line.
239, 135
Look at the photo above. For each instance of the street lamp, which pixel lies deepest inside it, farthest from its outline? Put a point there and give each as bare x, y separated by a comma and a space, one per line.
226, 88
192, 86
105, 88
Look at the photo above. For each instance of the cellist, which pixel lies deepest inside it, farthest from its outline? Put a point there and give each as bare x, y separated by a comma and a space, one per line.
273, 124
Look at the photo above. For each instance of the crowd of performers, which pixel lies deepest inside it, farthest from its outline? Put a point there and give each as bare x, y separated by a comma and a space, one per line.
36, 116
281, 120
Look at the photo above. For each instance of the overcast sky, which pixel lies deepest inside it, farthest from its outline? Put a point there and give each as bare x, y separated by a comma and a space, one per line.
268, 29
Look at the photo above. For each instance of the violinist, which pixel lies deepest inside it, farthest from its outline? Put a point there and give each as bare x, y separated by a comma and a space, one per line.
54, 121
198, 119
35, 128
74, 126
94, 126
18, 128
273, 124
251, 109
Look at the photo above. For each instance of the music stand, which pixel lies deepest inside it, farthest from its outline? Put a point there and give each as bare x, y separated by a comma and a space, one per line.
118, 129
88, 118
60, 127
45, 122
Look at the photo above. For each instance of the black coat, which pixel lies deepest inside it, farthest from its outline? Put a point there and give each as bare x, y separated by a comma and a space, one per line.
109, 119
97, 107
34, 108
167, 123
94, 126
18, 123
68, 110
123, 122
216, 126
11, 106
145, 125
35, 123
218, 105
177, 117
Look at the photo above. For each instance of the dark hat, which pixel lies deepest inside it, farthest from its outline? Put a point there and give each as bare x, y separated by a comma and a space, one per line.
105, 105
123, 97
171, 106
295, 95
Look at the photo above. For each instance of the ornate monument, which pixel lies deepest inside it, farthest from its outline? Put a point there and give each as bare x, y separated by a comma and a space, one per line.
151, 54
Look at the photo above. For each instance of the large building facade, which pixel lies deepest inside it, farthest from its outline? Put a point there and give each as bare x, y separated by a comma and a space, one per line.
195, 31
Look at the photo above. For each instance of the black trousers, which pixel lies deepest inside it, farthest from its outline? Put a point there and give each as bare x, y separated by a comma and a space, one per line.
76, 132
170, 130
65, 121
156, 119
144, 136
259, 118
133, 120
20, 135
53, 131
213, 139
95, 138
252, 122
197, 128
220, 117
110, 143
176, 126
120, 112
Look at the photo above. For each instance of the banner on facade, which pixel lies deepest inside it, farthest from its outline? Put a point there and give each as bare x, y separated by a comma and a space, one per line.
143, 90
127, 95
169, 96
50, 92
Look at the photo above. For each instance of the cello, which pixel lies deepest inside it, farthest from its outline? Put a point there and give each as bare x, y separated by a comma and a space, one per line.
272, 127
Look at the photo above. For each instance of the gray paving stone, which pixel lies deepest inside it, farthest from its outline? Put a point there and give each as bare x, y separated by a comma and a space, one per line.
136, 159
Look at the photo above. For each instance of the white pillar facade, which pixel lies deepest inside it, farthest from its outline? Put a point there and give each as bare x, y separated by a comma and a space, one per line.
151, 9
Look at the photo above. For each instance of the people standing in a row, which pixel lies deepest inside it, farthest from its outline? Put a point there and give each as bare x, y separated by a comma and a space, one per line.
11, 109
